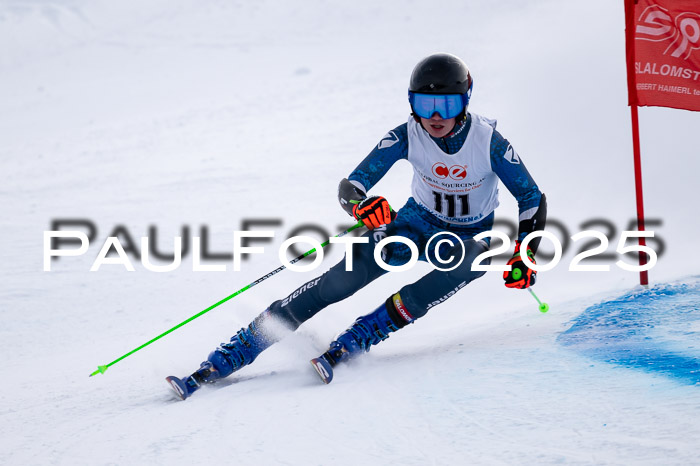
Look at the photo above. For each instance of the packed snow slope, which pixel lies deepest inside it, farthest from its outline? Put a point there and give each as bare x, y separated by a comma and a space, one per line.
183, 114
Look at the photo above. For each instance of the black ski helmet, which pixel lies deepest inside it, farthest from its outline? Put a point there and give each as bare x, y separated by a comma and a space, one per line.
441, 73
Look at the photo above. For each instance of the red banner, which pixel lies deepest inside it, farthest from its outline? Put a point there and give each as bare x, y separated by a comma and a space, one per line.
663, 53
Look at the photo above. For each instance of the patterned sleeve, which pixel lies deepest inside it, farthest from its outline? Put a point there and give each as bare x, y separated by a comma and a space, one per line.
509, 167
392, 147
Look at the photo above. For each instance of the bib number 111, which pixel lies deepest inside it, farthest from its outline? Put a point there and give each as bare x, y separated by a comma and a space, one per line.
452, 201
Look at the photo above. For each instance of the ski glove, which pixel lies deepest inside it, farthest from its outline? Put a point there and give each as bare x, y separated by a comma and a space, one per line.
520, 276
374, 212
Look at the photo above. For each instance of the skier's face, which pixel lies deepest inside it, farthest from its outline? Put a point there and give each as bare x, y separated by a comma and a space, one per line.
438, 127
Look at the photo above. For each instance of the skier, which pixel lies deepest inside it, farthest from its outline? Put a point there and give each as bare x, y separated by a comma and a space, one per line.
458, 158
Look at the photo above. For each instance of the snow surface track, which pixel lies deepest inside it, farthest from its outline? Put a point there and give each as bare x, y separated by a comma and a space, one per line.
173, 113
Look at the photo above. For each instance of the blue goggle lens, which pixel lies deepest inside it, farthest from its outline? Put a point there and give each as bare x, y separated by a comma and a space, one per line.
447, 105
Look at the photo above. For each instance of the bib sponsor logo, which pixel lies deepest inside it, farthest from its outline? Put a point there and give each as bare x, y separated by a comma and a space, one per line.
389, 140
458, 172
440, 170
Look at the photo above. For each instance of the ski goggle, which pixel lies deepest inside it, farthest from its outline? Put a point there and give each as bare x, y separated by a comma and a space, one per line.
447, 105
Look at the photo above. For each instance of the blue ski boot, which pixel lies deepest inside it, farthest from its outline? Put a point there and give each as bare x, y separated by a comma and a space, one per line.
187, 386
243, 348
367, 330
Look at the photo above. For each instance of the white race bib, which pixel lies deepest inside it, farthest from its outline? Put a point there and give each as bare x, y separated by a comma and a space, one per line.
457, 188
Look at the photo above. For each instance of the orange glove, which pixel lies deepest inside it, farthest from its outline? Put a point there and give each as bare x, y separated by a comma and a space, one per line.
520, 276
374, 212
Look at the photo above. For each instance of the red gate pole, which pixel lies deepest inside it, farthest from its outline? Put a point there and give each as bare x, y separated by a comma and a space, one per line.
643, 276
632, 91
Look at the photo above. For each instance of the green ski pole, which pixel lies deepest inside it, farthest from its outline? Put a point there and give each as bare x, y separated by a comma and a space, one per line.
544, 307
103, 369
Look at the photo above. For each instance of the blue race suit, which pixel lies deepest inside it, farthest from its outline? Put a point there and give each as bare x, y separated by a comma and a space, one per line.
417, 223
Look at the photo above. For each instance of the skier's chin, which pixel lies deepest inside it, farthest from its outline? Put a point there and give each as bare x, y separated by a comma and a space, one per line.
438, 128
